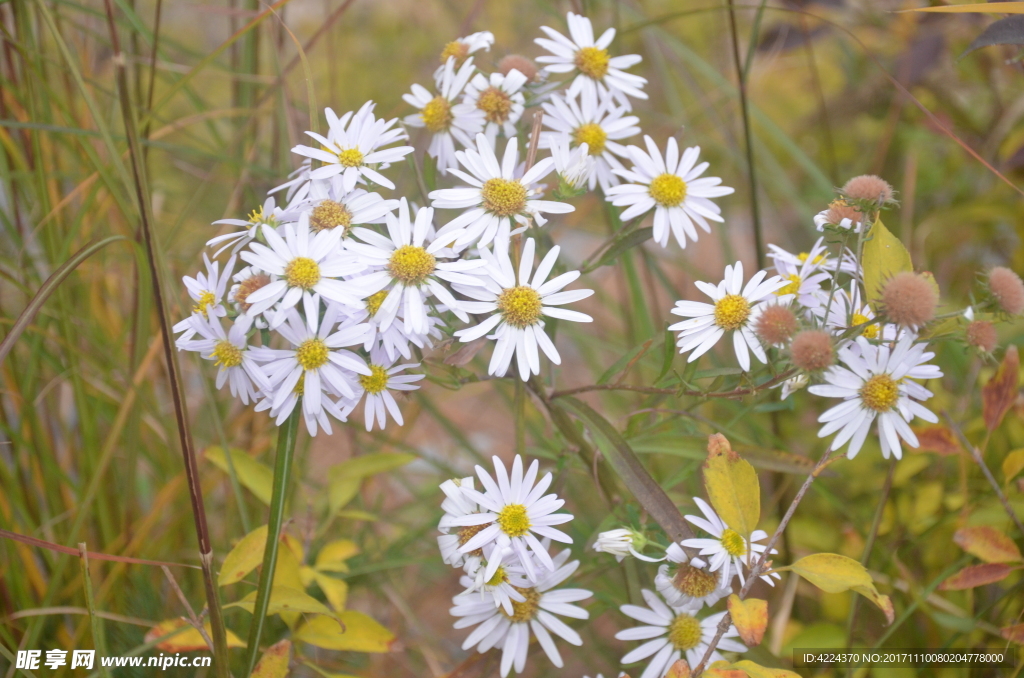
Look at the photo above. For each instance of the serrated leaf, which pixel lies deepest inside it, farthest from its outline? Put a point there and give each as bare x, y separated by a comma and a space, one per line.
284, 599
243, 559
834, 573
973, 576
274, 662
750, 617
988, 544
999, 394
333, 555
254, 476
732, 487
628, 242
884, 257
189, 640
351, 631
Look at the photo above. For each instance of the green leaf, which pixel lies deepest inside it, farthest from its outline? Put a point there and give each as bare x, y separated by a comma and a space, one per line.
370, 464
732, 487
256, 477
624, 361
624, 244
884, 257
340, 491
243, 559
351, 631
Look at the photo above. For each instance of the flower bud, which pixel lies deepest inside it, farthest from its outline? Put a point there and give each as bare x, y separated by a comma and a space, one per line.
776, 325
1008, 290
812, 350
909, 299
868, 187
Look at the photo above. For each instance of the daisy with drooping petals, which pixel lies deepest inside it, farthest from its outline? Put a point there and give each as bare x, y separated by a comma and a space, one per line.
623, 542
596, 70
735, 309
594, 122
446, 120
331, 206
501, 99
230, 352
574, 166
456, 505
207, 290
306, 266
495, 197
500, 583
518, 306
689, 582
671, 634
535, 614
515, 511
374, 389
354, 142
408, 265
875, 384
268, 213
729, 551
672, 187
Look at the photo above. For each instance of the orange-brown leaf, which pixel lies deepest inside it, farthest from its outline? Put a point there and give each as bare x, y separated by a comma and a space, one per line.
1014, 634
938, 439
679, 670
988, 544
274, 662
976, 575
999, 394
750, 618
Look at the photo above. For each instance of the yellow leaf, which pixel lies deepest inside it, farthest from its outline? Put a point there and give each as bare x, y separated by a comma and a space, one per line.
243, 559
1013, 464
731, 484
884, 257
186, 641
253, 475
342, 490
988, 544
834, 573
288, 571
351, 631
757, 671
977, 8
353, 514
336, 590
284, 599
332, 556
999, 394
750, 617
274, 662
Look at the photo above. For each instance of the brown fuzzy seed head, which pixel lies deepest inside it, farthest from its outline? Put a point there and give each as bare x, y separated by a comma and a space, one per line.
1008, 289
982, 334
812, 350
868, 187
909, 299
776, 325
839, 210
524, 65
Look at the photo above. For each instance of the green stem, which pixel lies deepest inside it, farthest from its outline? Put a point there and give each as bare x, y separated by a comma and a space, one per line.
282, 469
98, 641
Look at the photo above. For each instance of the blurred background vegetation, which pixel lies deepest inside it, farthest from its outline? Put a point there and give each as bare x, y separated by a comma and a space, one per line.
88, 449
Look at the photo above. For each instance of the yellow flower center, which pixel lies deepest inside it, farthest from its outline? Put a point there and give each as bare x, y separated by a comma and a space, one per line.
248, 286
731, 311
375, 382
437, 114
592, 135
694, 581
593, 62
513, 520
350, 157
411, 264
329, 215
499, 576
302, 272
668, 190
495, 104
456, 49
227, 354
503, 197
467, 533
685, 632
880, 392
520, 306
869, 332
258, 217
300, 385
804, 256
312, 354
733, 542
374, 301
526, 610
206, 300
793, 287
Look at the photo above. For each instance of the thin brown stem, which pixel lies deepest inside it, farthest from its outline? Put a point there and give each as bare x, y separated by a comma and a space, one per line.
735, 393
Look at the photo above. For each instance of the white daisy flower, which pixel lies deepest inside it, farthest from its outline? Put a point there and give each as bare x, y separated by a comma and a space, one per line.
803, 278
848, 309
394, 340
446, 120
819, 258
599, 124
331, 206
306, 267
207, 290
535, 614
461, 48
729, 551
672, 187
672, 633
409, 264
735, 309
687, 582
230, 353
268, 213
494, 197
374, 390
354, 142
297, 185
496, 577
875, 384
623, 542
456, 505
574, 166
317, 366
596, 71
793, 384
500, 98
515, 511
518, 306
